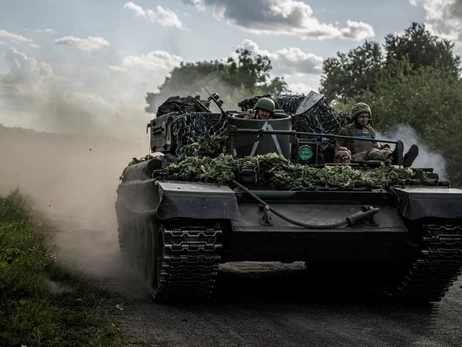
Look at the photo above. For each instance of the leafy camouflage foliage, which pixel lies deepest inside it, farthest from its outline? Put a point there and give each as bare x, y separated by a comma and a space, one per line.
273, 169
188, 127
206, 146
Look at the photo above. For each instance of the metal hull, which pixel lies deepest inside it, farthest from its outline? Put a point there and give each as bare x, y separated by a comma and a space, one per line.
246, 239
415, 250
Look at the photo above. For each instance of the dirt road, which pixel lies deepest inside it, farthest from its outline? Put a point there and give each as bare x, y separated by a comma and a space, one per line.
264, 305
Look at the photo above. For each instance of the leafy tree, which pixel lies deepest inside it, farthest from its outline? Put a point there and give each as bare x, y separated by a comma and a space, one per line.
245, 74
422, 48
352, 73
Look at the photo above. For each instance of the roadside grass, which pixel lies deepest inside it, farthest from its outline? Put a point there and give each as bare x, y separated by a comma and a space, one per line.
42, 303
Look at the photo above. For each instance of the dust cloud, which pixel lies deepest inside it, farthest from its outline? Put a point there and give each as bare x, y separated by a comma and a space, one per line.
426, 158
71, 176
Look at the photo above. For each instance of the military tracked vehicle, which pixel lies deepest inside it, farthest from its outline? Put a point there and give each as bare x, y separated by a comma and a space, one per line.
177, 230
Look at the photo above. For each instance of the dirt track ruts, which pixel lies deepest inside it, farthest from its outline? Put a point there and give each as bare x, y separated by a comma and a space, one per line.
272, 304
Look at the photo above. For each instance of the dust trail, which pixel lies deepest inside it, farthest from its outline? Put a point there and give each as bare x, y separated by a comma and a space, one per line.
426, 158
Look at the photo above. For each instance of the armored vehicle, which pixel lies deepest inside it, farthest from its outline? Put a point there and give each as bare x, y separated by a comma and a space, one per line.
177, 225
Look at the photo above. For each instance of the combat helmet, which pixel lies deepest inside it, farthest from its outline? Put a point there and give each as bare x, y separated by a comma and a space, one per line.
359, 108
265, 104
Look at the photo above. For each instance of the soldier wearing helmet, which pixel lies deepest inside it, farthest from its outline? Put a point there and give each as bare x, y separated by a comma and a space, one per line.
264, 109
350, 149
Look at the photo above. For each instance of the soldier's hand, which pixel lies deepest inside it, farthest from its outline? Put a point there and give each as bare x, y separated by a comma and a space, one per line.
249, 114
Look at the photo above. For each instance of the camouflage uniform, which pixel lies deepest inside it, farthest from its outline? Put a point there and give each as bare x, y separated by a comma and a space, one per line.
359, 150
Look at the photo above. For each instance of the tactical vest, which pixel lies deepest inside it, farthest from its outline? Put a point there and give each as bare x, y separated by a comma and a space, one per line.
359, 146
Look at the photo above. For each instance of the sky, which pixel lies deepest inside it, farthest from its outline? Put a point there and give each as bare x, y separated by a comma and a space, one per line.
86, 65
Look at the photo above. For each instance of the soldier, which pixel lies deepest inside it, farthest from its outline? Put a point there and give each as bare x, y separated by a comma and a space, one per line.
350, 149
264, 109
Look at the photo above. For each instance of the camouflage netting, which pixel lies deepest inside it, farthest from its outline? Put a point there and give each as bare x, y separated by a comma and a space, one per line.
274, 170
320, 118
181, 104
187, 127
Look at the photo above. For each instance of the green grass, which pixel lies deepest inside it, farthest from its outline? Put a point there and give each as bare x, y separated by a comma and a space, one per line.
42, 303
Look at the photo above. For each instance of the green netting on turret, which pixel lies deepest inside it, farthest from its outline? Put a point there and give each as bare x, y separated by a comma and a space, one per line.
206, 161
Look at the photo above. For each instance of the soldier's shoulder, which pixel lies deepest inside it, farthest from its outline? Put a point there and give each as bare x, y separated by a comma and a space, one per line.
371, 129
345, 128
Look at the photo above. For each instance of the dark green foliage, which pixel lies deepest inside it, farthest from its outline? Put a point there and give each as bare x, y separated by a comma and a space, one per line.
246, 74
350, 74
422, 49
206, 146
273, 169
42, 304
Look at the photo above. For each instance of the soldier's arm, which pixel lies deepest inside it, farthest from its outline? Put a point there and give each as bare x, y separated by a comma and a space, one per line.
339, 142
250, 114
376, 145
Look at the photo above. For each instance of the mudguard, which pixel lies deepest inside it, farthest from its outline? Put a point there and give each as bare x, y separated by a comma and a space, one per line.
174, 199
197, 200
429, 202
142, 170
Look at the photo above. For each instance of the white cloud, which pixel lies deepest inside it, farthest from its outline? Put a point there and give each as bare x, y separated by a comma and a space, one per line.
453, 34
33, 45
138, 10
49, 31
442, 12
157, 61
85, 44
302, 83
117, 68
25, 70
281, 17
301, 70
288, 60
444, 19
163, 16
357, 30
15, 37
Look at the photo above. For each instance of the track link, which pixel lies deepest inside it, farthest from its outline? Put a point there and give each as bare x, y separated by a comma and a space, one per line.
437, 267
190, 262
